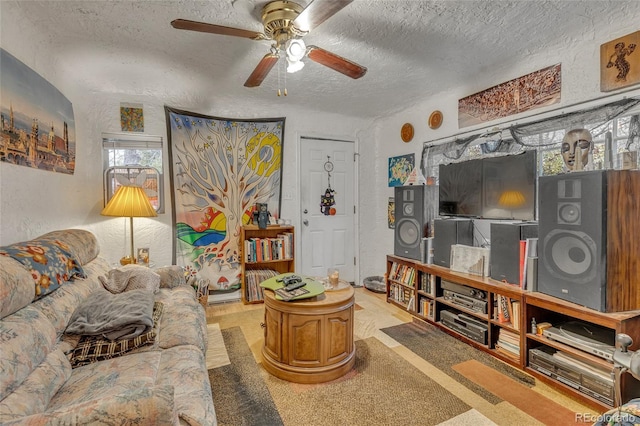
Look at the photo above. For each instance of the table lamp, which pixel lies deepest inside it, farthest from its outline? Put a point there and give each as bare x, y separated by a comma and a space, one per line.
129, 201
511, 199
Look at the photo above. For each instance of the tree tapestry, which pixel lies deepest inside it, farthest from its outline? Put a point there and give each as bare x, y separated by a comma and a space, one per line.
220, 168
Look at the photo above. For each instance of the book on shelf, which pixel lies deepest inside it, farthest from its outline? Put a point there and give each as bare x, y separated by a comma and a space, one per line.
268, 249
411, 304
523, 258
503, 310
400, 294
426, 283
515, 318
426, 307
528, 250
508, 353
508, 342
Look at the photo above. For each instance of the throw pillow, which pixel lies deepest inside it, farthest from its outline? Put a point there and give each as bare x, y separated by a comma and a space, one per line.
96, 348
171, 276
49, 261
131, 277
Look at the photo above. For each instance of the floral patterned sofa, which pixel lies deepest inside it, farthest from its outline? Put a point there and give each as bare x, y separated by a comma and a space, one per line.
161, 382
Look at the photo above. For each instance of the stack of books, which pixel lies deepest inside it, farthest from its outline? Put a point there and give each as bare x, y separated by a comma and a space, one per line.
508, 343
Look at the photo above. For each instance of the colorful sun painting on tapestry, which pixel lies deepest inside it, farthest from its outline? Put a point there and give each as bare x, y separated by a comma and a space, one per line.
220, 169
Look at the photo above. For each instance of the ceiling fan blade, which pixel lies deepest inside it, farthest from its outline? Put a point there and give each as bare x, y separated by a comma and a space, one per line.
203, 27
335, 62
317, 12
261, 71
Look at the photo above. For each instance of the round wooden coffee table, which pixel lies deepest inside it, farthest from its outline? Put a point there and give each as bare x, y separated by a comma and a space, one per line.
309, 340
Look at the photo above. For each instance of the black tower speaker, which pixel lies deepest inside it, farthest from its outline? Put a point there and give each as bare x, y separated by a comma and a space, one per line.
414, 209
589, 238
505, 249
447, 232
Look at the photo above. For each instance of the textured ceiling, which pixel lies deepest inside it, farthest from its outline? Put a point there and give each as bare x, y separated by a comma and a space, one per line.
413, 49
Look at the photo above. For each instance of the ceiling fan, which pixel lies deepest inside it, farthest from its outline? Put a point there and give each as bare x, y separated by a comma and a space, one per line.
285, 23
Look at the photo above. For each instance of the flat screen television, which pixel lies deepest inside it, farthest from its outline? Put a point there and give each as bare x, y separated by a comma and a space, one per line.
490, 188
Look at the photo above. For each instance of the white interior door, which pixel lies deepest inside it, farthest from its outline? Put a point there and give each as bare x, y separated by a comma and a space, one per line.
327, 241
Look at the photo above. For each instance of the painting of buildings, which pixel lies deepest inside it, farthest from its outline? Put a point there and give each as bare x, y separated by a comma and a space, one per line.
37, 127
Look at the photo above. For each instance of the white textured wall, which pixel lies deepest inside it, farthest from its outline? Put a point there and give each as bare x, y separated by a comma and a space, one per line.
34, 202
580, 58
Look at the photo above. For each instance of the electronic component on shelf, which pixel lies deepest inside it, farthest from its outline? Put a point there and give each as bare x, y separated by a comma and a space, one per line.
595, 382
466, 325
464, 290
587, 337
470, 303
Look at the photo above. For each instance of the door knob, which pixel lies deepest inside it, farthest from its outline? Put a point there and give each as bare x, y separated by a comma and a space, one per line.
305, 222
305, 211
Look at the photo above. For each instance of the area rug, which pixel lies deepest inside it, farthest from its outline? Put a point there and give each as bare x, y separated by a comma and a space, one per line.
382, 388
524, 398
444, 352
240, 396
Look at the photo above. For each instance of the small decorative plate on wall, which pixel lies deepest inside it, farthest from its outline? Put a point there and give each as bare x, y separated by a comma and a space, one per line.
435, 119
406, 133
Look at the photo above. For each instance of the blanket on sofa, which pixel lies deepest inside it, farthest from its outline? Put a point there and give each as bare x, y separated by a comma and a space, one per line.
113, 316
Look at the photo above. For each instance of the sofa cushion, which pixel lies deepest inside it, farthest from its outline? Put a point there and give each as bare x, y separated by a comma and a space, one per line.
50, 263
184, 367
142, 406
183, 321
95, 348
131, 277
171, 276
16, 286
26, 338
34, 394
107, 378
83, 244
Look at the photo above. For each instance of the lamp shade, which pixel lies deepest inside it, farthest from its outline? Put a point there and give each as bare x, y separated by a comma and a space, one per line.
511, 198
129, 201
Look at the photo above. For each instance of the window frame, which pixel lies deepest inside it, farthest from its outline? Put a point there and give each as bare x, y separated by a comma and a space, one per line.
125, 141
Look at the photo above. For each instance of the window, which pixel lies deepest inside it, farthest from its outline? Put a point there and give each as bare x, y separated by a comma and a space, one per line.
136, 159
550, 160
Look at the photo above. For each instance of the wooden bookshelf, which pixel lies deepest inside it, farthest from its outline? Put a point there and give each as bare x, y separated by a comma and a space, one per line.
264, 253
508, 316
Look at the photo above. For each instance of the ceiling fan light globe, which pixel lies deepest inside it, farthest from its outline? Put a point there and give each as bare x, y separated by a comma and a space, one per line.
295, 49
294, 66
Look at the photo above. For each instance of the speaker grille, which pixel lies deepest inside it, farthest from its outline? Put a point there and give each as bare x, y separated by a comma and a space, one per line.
409, 232
415, 207
570, 255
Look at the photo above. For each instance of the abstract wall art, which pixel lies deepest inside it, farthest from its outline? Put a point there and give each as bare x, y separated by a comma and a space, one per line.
220, 168
400, 169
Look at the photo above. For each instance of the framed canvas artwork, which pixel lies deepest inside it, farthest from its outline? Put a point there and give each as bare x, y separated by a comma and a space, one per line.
37, 122
620, 62
400, 169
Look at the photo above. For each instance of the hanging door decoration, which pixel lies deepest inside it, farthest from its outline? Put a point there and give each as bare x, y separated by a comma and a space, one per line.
327, 200
220, 169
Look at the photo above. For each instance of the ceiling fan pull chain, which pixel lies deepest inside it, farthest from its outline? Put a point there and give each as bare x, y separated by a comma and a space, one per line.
285, 77
279, 93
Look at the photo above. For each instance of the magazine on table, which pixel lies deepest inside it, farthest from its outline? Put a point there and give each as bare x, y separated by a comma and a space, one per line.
288, 295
